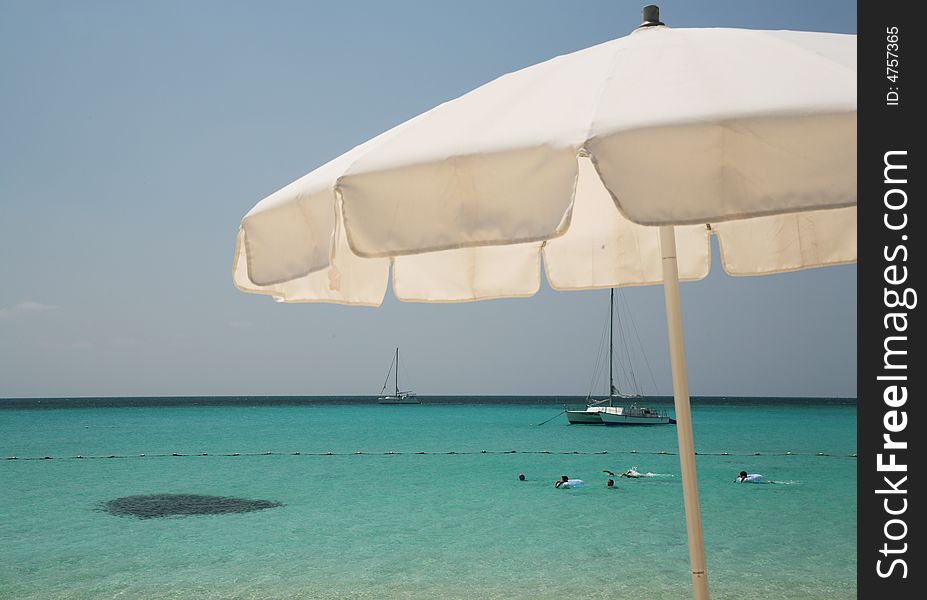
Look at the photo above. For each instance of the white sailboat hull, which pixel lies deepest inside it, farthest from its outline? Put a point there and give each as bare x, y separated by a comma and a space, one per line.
402, 398
592, 415
618, 415
582, 417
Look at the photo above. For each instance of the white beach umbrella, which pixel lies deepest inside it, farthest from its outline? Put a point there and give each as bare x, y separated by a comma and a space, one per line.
612, 166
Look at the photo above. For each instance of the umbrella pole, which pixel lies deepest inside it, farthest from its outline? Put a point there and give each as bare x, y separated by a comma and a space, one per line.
683, 413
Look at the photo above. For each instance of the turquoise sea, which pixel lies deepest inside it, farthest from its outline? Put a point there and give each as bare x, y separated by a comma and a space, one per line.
423, 512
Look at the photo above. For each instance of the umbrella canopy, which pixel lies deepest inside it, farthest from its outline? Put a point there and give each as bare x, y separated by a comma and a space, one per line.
748, 135
613, 164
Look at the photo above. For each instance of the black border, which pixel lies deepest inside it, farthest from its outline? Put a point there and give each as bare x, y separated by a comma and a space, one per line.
884, 128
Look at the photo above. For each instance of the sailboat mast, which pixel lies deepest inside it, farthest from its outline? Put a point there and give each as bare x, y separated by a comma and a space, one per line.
611, 345
397, 371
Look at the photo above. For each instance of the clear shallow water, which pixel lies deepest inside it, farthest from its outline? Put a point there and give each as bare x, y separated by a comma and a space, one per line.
423, 525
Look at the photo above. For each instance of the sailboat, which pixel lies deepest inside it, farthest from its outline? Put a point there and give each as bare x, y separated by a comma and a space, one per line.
398, 396
618, 408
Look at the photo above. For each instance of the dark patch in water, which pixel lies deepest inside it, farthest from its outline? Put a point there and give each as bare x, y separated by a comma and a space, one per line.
182, 505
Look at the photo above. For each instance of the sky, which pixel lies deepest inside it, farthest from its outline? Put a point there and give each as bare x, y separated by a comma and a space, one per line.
134, 136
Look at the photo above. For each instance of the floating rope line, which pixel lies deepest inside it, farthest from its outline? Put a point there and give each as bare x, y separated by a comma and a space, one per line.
432, 453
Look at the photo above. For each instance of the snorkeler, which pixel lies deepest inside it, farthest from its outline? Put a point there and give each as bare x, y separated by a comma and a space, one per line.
566, 483
743, 477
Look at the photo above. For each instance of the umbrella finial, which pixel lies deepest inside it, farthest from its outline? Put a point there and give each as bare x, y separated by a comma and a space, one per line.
651, 16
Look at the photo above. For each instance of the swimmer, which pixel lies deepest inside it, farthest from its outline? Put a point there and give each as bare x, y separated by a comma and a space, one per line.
611, 483
743, 477
521, 477
631, 473
610, 474
570, 484
563, 479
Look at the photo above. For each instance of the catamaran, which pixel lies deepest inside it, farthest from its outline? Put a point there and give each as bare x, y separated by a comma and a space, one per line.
398, 396
618, 408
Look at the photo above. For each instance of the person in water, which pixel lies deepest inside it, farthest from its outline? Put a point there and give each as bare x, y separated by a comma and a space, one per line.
611, 483
743, 477
521, 477
629, 473
563, 479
